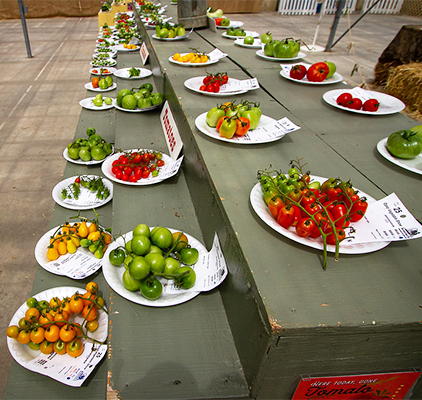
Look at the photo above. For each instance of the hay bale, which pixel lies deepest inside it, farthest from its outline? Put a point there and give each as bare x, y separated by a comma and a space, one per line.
405, 83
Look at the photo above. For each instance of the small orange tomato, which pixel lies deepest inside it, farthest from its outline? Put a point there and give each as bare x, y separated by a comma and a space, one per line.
65, 306
67, 333
88, 295
61, 317
12, 331
23, 337
45, 319
91, 287
32, 314
76, 304
37, 335
60, 347
78, 330
55, 302
52, 333
46, 347
89, 313
75, 348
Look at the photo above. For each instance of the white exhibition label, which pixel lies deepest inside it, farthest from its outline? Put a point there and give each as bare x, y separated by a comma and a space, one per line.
78, 265
171, 133
216, 54
66, 369
236, 85
276, 129
385, 220
211, 270
144, 53
170, 168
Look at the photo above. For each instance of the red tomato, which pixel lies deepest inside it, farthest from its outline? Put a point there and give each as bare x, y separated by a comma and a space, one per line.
371, 105
274, 206
305, 227
341, 235
344, 99
355, 104
340, 216
298, 71
224, 79
286, 216
243, 125
203, 88
358, 210
317, 72
218, 21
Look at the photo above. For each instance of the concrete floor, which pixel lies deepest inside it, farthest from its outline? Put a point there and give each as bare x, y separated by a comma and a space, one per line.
40, 110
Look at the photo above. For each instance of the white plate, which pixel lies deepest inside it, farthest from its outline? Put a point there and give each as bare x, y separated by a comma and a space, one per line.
249, 138
89, 105
388, 104
107, 166
259, 206
113, 275
189, 64
124, 73
57, 194
119, 47
136, 110
154, 36
23, 355
260, 53
110, 61
195, 83
111, 53
233, 24
257, 44
101, 44
79, 161
285, 73
248, 33
98, 89
414, 164
44, 262
110, 69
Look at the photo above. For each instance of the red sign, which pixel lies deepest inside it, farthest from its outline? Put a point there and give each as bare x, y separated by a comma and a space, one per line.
393, 385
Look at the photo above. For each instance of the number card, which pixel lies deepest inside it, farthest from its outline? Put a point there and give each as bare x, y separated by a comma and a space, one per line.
171, 133
144, 53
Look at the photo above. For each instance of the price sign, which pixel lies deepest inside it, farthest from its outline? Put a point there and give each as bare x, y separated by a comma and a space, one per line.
171, 133
144, 53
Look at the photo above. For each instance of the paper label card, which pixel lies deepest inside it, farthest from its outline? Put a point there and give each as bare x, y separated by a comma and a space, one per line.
171, 132
144, 53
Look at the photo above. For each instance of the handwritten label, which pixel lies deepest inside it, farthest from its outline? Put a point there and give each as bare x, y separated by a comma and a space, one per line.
171, 132
236, 85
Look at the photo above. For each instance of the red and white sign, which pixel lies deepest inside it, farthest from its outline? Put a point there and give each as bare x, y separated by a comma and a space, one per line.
393, 385
171, 133
144, 53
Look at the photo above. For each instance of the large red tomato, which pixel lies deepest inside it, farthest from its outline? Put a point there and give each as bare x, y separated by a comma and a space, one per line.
318, 72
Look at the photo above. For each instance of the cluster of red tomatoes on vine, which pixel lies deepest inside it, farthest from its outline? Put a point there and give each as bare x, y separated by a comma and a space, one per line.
213, 82
133, 166
354, 103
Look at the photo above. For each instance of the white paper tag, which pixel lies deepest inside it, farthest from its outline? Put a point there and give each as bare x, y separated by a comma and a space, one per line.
236, 85
216, 54
77, 265
144, 53
66, 369
385, 220
211, 270
170, 169
171, 132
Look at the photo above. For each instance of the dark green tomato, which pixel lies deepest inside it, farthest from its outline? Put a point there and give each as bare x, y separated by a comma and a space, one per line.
189, 256
95, 139
156, 98
214, 115
404, 144
90, 131
240, 32
188, 280
147, 86
151, 288
143, 92
231, 32
144, 102
117, 257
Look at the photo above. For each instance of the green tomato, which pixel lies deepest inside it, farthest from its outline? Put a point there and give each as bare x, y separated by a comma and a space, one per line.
214, 115
162, 238
121, 95
127, 261
139, 268
129, 102
171, 265
117, 257
90, 131
98, 101
418, 130
156, 98
181, 31
108, 100
228, 128
73, 152
231, 32
144, 102
103, 84
225, 22
248, 40
269, 49
142, 229
140, 245
404, 144
266, 38
155, 250
240, 32
332, 67
156, 261
253, 118
108, 148
130, 283
189, 255
98, 153
151, 288
163, 33
85, 154
188, 280
109, 80
286, 48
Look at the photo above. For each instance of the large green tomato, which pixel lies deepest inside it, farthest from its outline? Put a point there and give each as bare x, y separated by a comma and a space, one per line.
121, 95
189, 256
266, 38
404, 144
130, 283
418, 130
287, 48
144, 102
156, 261
188, 280
214, 115
156, 98
142, 229
162, 238
98, 153
85, 154
129, 102
140, 245
253, 118
139, 268
151, 288
73, 152
171, 265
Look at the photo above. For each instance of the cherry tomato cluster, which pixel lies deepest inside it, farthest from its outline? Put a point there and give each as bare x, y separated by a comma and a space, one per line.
68, 238
49, 325
347, 100
131, 167
213, 82
312, 209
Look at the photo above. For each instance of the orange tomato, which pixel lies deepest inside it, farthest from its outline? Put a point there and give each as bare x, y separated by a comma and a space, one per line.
89, 313
67, 333
76, 304
45, 320
52, 333
78, 329
60, 316
12, 331
95, 82
46, 347
91, 287
107, 237
23, 337
88, 295
52, 254
55, 302
32, 314
37, 335
65, 306
60, 347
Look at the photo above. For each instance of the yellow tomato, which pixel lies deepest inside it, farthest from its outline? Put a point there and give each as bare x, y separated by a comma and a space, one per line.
62, 247
70, 246
52, 254
12, 331
46, 347
94, 236
176, 56
23, 337
92, 228
83, 230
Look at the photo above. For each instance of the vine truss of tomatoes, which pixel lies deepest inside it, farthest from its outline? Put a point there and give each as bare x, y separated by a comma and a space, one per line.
133, 166
213, 82
315, 210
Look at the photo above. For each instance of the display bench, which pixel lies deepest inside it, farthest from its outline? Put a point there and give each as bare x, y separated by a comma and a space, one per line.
278, 317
